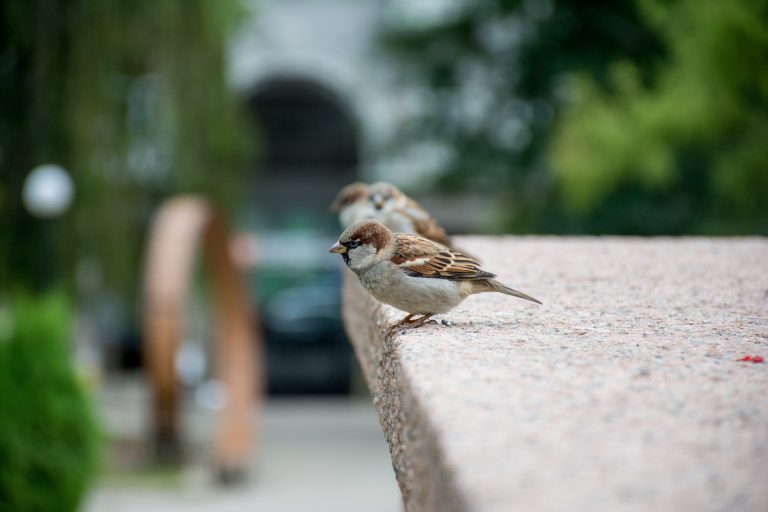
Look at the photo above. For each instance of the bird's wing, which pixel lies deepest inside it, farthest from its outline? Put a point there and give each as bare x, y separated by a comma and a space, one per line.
419, 257
429, 228
425, 224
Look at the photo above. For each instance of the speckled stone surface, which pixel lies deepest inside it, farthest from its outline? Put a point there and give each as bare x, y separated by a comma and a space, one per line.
623, 392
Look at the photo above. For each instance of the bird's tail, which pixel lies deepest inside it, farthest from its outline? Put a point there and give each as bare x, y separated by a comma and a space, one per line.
496, 286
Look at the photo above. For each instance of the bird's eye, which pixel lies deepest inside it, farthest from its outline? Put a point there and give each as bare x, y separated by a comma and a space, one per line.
354, 244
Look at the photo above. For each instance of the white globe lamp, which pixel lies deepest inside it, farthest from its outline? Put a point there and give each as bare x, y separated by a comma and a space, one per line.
48, 191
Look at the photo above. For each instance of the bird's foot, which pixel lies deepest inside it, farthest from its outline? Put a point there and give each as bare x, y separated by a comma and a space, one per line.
392, 330
405, 321
420, 321
410, 323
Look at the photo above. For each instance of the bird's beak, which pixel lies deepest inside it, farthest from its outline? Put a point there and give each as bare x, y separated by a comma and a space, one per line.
378, 201
338, 248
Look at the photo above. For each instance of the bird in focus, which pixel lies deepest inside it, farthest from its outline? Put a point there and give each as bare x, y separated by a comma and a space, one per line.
387, 204
412, 273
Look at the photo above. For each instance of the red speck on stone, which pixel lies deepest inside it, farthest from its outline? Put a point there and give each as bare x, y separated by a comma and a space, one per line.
753, 359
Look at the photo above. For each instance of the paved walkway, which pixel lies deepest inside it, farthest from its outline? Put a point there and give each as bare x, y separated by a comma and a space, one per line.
323, 455
623, 392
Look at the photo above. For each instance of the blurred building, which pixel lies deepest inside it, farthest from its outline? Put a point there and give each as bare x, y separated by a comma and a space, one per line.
311, 74
327, 102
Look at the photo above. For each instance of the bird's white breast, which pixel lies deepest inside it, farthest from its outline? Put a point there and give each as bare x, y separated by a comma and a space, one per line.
396, 221
390, 285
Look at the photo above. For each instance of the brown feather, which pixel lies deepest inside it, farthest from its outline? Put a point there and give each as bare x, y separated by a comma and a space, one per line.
425, 224
429, 228
420, 257
369, 232
348, 195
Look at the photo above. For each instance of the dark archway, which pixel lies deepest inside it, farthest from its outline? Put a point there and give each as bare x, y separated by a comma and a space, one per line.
310, 147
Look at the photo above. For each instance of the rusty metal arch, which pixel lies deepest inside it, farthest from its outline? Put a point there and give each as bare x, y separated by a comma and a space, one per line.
182, 228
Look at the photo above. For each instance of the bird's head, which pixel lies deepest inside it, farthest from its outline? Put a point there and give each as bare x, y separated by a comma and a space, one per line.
349, 195
383, 194
364, 244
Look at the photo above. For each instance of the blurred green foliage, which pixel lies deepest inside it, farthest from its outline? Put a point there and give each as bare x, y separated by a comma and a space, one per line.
695, 141
634, 116
131, 98
49, 439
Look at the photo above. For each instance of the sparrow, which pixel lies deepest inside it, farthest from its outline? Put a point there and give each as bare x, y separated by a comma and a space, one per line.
412, 273
353, 204
389, 205
402, 214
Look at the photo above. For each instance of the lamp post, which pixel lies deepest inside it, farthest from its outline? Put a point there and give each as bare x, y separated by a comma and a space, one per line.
47, 194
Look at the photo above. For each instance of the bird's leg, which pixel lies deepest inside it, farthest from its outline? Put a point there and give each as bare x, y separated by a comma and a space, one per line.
420, 321
409, 322
405, 321
394, 327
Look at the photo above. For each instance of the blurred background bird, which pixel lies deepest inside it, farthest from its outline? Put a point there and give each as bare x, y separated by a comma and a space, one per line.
353, 204
387, 204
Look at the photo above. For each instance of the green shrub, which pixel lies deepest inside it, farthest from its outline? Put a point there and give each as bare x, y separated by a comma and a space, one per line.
49, 439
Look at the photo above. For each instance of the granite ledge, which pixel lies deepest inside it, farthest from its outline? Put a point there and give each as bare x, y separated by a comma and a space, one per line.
622, 392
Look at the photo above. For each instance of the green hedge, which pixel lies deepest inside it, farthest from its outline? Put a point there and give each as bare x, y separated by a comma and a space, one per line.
49, 439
